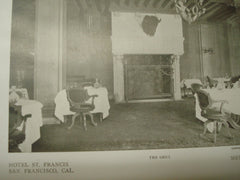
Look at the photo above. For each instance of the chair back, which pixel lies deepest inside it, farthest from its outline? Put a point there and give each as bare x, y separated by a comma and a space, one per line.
196, 87
77, 95
204, 99
211, 82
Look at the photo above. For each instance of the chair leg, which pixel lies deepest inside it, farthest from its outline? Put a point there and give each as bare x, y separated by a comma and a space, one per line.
205, 128
84, 122
215, 131
219, 126
227, 126
73, 120
101, 117
92, 120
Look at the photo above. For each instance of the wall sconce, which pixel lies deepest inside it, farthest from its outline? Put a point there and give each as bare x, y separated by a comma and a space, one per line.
208, 51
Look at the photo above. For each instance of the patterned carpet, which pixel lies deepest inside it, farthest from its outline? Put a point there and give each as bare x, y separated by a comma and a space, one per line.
137, 126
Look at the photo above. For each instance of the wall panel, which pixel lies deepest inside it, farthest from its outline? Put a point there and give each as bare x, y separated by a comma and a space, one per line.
190, 63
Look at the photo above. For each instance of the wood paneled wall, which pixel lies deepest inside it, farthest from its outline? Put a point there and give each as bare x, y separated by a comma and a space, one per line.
222, 39
49, 51
215, 63
22, 44
190, 61
89, 46
234, 48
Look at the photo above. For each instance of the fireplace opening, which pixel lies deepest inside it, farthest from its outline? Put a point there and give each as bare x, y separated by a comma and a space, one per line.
148, 77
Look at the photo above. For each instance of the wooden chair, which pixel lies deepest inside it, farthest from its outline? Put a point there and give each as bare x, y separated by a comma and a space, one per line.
215, 116
195, 87
78, 98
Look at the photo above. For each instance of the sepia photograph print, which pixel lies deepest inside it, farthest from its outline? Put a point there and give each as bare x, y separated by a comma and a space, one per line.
153, 77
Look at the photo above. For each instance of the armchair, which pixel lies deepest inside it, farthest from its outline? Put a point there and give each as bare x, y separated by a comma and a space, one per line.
211, 114
77, 98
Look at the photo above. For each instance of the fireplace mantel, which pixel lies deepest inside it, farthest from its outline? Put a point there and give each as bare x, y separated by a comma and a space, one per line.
128, 37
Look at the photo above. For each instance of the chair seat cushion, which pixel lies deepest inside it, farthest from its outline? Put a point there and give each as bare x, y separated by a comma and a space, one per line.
82, 108
212, 114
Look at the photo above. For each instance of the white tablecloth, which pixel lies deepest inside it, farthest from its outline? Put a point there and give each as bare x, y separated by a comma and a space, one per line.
101, 102
230, 95
33, 123
188, 82
62, 107
22, 91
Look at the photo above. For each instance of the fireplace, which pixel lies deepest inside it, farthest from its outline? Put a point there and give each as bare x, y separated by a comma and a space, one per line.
148, 77
146, 65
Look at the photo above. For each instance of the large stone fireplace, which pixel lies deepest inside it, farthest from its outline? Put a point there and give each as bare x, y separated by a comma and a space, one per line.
146, 61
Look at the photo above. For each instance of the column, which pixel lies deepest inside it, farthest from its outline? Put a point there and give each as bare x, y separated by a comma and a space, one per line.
118, 78
176, 78
49, 54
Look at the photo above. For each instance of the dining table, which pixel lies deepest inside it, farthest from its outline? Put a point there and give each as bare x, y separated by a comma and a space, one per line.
231, 96
101, 102
33, 123
232, 105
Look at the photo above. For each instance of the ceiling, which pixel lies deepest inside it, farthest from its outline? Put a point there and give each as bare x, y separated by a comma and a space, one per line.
216, 10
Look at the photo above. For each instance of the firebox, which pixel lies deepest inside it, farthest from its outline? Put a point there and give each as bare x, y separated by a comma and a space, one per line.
148, 77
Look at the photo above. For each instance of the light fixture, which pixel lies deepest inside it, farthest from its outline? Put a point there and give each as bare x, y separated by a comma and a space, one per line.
190, 14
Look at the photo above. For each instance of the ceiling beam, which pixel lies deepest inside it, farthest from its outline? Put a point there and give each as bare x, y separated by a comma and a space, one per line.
225, 17
222, 1
156, 2
169, 4
141, 3
225, 13
231, 17
206, 4
234, 19
188, 3
159, 5
211, 12
165, 3
142, 9
150, 4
